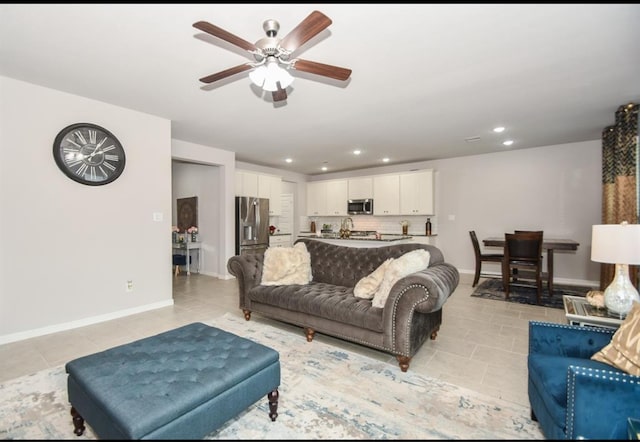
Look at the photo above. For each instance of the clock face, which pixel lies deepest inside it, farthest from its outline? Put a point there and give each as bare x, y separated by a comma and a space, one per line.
89, 154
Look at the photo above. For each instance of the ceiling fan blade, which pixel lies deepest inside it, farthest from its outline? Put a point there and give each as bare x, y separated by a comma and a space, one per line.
279, 94
325, 70
225, 35
226, 73
308, 28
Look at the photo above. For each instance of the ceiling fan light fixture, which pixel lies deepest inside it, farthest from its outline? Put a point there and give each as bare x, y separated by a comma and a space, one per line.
269, 74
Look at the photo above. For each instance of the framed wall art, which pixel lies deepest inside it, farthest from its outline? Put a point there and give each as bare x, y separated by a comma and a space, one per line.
187, 213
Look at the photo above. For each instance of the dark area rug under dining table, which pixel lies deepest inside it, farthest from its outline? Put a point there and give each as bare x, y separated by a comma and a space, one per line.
526, 294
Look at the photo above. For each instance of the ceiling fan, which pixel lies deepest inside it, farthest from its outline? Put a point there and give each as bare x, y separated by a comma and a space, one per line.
273, 55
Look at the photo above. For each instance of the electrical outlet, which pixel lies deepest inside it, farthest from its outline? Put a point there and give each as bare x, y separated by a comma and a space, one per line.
129, 285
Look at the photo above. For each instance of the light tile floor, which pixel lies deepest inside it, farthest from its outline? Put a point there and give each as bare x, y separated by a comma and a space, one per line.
482, 344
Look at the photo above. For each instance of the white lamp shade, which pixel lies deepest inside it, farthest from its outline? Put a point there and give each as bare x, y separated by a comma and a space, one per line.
258, 75
616, 243
267, 75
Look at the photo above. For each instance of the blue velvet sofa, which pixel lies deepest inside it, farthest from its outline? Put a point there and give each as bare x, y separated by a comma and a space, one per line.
571, 396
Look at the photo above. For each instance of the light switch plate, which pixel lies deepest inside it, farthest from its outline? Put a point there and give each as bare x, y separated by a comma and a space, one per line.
157, 217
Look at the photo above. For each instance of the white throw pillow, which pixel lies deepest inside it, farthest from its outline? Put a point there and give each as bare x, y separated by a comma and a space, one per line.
367, 286
286, 265
405, 265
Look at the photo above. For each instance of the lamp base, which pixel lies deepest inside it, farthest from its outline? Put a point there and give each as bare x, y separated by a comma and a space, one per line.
620, 294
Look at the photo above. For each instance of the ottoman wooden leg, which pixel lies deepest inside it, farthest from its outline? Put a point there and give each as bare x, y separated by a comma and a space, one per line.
78, 422
273, 404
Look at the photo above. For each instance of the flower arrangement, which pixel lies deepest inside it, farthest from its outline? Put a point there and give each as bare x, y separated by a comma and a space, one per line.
175, 229
193, 231
272, 229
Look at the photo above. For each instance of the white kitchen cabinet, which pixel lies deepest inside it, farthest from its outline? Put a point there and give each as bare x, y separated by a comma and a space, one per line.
280, 240
246, 183
416, 193
327, 198
386, 193
270, 186
337, 197
316, 198
260, 186
360, 188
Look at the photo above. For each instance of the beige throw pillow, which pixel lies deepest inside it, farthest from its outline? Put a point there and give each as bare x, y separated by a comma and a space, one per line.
623, 351
367, 286
286, 265
405, 265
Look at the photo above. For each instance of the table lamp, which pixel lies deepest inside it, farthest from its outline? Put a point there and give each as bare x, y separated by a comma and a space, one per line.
617, 244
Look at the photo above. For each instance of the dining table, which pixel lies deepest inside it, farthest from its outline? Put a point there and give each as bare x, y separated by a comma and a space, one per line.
548, 244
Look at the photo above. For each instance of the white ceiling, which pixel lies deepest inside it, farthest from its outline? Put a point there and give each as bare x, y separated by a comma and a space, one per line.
425, 76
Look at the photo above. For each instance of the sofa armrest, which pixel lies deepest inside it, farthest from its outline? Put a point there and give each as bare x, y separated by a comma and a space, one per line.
617, 395
422, 292
248, 271
435, 284
567, 340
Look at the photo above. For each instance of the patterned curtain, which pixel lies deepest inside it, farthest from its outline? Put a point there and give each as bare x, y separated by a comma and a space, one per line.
620, 180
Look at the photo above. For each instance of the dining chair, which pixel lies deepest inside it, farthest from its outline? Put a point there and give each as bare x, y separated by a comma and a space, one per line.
522, 251
482, 257
544, 275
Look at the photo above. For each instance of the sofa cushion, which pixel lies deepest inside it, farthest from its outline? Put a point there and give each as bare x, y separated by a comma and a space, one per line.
623, 351
405, 265
345, 266
367, 286
286, 265
333, 302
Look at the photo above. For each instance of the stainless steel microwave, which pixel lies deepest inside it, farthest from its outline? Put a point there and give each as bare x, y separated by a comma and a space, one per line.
360, 207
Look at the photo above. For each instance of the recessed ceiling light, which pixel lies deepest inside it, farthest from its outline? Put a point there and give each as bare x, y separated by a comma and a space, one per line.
498, 129
356, 152
508, 142
385, 160
289, 160
324, 168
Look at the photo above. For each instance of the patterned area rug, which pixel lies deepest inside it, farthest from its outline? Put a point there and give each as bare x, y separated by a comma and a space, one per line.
492, 289
326, 393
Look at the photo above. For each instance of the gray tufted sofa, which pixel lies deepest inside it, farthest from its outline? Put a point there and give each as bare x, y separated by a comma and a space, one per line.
327, 305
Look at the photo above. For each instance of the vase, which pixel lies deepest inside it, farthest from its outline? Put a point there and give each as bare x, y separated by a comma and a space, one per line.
175, 236
405, 230
194, 237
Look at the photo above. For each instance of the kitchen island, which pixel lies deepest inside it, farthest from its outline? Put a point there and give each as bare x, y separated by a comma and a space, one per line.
359, 241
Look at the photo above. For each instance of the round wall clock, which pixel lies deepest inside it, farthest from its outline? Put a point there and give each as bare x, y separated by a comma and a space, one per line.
89, 154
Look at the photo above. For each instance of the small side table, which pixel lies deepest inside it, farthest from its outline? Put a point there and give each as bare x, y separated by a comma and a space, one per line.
579, 312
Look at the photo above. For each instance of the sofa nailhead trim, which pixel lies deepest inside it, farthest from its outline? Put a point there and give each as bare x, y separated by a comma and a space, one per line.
407, 349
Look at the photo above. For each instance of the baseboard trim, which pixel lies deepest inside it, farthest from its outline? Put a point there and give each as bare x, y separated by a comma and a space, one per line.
82, 322
568, 281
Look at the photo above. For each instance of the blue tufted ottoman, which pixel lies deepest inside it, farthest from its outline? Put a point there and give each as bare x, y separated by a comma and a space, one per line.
180, 384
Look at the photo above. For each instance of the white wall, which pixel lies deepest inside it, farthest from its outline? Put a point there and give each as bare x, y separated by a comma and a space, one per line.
201, 181
215, 188
553, 188
68, 249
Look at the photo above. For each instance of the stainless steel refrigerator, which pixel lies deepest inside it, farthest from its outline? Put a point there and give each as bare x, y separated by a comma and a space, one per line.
252, 225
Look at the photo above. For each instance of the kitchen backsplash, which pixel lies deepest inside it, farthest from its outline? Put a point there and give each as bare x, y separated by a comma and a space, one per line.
382, 224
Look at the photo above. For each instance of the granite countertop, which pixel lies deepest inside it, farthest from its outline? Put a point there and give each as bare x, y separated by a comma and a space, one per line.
280, 234
383, 237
